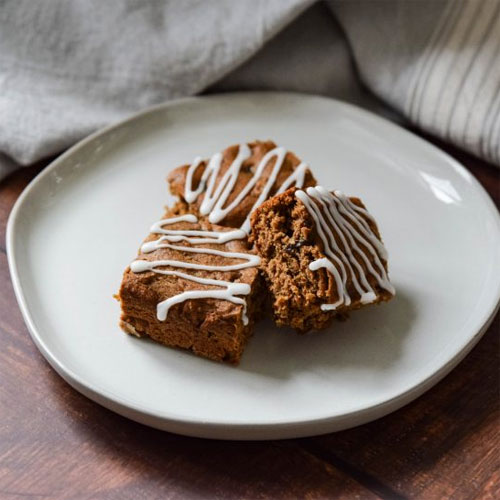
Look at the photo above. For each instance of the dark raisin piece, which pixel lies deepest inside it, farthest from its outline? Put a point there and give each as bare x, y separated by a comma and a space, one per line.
295, 246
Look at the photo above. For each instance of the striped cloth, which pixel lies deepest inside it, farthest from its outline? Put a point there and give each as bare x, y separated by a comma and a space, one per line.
438, 64
68, 68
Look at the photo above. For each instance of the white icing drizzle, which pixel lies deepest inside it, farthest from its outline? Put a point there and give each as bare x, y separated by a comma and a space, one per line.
191, 236
337, 213
215, 199
228, 291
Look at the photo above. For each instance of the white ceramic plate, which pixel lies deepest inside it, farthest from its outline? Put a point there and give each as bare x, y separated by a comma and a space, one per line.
79, 223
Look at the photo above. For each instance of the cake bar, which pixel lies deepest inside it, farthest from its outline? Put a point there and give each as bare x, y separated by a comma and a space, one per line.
228, 186
193, 285
321, 256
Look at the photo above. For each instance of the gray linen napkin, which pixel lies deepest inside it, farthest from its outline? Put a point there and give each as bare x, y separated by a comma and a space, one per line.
68, 68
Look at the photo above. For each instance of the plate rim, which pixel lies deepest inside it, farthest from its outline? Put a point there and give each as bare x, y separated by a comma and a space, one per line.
240, 430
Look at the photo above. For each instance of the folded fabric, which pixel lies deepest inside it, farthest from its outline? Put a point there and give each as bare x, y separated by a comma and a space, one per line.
437, 62
68, 68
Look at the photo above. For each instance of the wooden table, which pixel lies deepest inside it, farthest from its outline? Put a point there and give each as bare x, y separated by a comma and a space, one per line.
56, 444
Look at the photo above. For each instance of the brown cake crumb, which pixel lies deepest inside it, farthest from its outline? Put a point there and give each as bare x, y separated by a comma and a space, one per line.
287, 238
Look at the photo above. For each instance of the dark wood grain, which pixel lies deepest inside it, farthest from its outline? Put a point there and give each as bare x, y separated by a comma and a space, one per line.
56, 444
